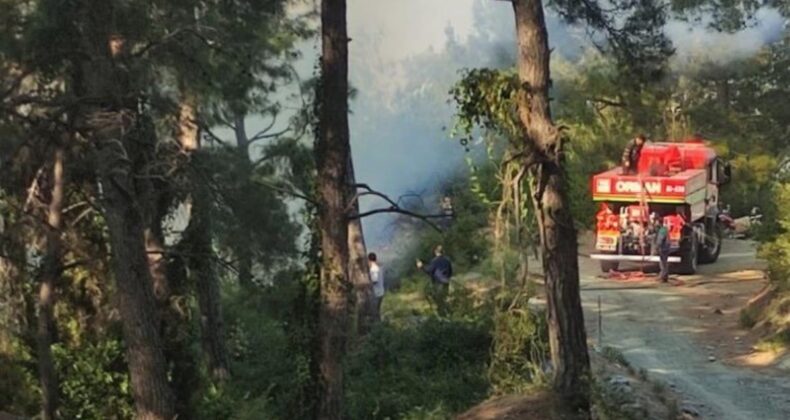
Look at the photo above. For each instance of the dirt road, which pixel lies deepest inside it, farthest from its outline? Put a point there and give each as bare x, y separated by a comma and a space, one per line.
682, 334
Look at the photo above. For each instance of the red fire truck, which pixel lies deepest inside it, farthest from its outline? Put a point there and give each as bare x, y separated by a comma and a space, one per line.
677, 182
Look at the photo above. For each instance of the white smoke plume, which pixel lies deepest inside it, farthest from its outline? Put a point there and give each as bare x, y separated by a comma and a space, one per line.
406, 54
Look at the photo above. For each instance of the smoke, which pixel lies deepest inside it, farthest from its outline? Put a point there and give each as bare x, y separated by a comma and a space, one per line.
406, 54
695, 43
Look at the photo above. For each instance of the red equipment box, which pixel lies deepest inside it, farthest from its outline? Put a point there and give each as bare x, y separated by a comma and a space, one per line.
667, 173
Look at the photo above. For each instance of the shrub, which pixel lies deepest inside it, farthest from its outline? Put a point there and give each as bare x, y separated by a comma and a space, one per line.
520, 347
19, 391
424, 371
94, 381
270, 361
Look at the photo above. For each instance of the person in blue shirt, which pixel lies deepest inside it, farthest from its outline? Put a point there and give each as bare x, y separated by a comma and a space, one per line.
440, 270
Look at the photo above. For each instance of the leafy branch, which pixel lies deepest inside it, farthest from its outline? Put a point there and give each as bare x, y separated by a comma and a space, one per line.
393, 208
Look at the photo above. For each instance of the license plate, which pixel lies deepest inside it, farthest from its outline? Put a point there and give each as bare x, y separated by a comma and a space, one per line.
606, 243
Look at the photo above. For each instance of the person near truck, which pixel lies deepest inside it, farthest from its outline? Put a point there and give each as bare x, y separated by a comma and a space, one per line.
633, 149
663, 247
377, 279
440, 270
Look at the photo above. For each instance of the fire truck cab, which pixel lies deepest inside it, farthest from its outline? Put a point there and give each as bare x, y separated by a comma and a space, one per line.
677, 182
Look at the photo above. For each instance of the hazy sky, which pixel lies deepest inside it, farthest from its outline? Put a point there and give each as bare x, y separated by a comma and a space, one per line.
402, 69
408, 27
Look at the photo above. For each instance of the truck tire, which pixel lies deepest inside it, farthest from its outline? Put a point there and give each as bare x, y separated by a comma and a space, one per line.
607, 266
689, 255
709, 253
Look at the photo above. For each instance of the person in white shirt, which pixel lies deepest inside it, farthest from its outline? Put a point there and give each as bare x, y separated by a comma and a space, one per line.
377, 279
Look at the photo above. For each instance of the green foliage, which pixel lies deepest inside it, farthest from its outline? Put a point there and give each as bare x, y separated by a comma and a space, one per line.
216, 403
777, 252
418, 365
520, 347
249, 215
486, 98
94, 381
269, 369
615, 356
753, 176
608, 404
778, 341
19, 388
464, 237
433, 368
270, 342
633, 34
440, 412
233, 59
747, 317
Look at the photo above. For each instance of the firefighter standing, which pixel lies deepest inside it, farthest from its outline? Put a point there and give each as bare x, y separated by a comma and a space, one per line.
663, 247
631, 154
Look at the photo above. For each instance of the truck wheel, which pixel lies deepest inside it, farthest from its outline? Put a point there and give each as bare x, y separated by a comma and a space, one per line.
710, 252
607, 266
689, 254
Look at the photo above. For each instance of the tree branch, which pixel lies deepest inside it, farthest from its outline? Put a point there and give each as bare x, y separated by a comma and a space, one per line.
608, 102
424, 217
262, 134
290, 191
189, 30
394, 207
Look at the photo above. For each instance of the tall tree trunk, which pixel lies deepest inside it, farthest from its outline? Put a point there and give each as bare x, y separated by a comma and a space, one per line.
135, 297
169, 275
201, 264
157, 262
46, 294
110, 118
723, 92
358, 270
13, 305
567, 336
242, 141
244, 243
155, 197
201, 255
332, 157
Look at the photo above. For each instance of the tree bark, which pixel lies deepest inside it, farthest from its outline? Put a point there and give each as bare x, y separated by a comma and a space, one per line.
46, 295
188, 131
244, 243
13, 299
242, 141
358, 270
723, 92
543, 143
201, 252
201, 264
332, 157
155, 254
135, 297
110, 120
